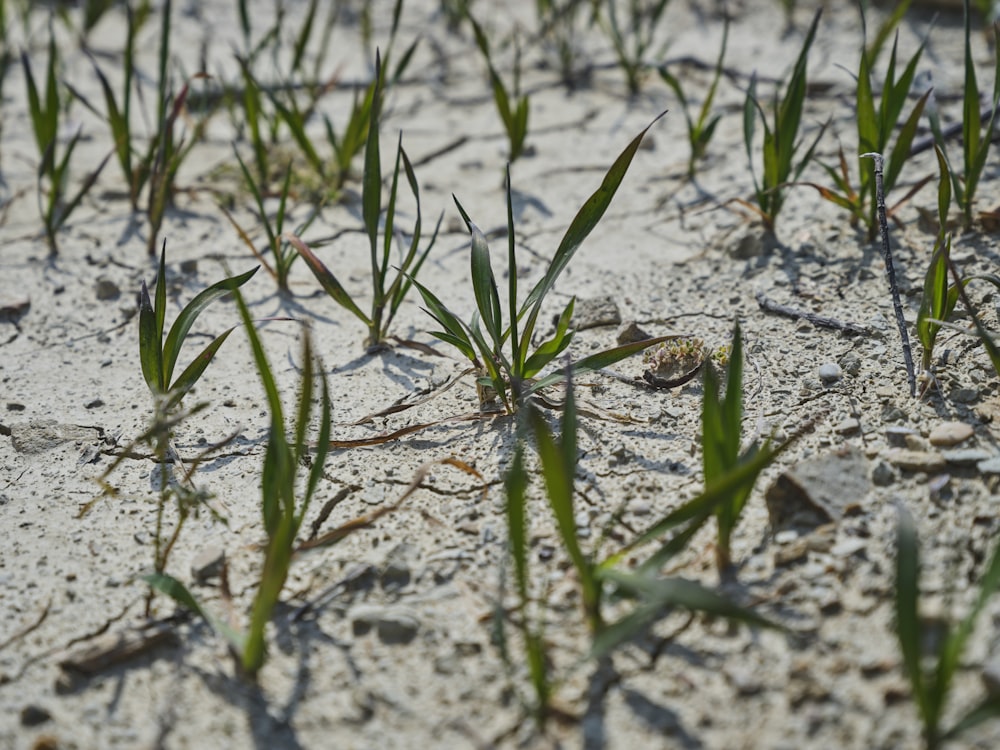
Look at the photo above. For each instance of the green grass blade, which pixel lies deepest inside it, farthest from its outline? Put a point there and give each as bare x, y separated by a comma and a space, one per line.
299, 50
586, 219
167, 584
552, 348
484, 286
680, 592
326, 279
908, 627
150, 343
517, 353
988, 708
322, 447
454, 328
970, 103
516, 484
371, 194
901, 150
182, 325
186, 380
160, 310
558, 469
296, 125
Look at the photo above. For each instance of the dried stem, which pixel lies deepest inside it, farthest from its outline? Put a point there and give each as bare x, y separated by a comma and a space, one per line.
891, 271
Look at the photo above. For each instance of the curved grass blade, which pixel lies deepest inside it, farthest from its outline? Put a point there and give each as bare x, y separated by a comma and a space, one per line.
326, 279
182, 325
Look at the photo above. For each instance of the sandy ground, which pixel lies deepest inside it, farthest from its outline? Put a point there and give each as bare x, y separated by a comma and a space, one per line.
400, 654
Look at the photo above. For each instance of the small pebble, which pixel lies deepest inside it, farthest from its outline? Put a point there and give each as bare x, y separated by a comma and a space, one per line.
847, 547
896, 435
830, 372
915, 442
950, 433
106, 289
916, 460
966, 457
848, 427
629, 332
964, 395
851, 363
989, 466
208, 564
32, 715
883, 474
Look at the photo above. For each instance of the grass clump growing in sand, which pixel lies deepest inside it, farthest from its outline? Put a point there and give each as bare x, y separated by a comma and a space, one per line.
975, 139
386, 296
509, 374
781, 142
46, 108
932, 652
602, 583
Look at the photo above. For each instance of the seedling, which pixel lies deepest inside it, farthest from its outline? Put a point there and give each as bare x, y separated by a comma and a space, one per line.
655, 596
700, 129
282, 511
721, 427
54, 203
386, 297
633, 41
155, 168
158, 356
282, 508
509, 376
558, 23
781, 140
514, 118
875, 127
355, 135
975, 141
939, 298
931, 675
282, 253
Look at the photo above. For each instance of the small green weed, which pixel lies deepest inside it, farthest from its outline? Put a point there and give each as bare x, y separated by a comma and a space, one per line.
283, 254
633, 39
700, 129
514, 118
282, 511
975, 140
510, 377
875, 127
158, 356
597, 579
781, 139
46, 110
931, 675
386, 297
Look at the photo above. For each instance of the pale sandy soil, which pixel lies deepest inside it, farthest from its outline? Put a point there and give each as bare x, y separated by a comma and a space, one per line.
72, 395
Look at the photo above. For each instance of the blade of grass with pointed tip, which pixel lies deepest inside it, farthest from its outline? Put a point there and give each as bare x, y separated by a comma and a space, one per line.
484, 286
907, 617
371, 192
553, 347
177, 591
182, 324
187, 379
585, 220
150, 343
326, 279
558, 470
600, 360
